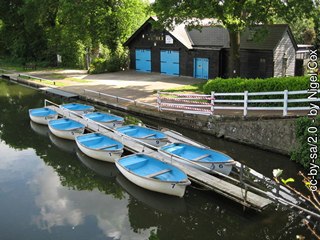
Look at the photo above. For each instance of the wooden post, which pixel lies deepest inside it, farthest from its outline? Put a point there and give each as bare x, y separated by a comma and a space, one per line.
212, 103
245, 103
285, 102
159, 101
241, 174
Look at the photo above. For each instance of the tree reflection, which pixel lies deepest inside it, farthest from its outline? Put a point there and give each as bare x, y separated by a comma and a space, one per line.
15, 131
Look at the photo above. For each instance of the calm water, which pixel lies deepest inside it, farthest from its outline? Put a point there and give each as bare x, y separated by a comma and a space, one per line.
49, 190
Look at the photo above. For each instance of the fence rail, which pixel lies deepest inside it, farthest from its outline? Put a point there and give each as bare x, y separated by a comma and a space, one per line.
117, 98
189, 103
205, 104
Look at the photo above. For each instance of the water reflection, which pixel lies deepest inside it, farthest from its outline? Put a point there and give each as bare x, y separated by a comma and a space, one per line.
59, 206
103, 169
63, 144
46, 182
157, 201
39, 129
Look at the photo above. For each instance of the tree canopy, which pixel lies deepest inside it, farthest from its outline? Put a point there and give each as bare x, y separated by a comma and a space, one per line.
236, 16
38, 30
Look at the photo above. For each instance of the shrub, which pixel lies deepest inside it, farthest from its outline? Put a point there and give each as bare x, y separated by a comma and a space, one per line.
116, 61
98, 65
302, 153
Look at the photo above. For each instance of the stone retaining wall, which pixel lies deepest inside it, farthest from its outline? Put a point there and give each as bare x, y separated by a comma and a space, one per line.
275, 134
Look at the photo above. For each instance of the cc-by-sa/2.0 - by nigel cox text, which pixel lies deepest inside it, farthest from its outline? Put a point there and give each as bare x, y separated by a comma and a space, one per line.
313, 113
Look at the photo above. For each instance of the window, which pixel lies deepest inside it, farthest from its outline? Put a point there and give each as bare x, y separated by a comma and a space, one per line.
251, 35
262, 68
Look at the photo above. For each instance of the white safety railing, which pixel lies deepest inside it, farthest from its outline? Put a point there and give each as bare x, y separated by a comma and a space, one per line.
117, 98
247, 101
188, 103
205, 104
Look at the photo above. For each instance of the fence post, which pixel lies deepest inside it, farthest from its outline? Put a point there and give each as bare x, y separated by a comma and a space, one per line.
285, 102
245, 103
159, 101
212, 103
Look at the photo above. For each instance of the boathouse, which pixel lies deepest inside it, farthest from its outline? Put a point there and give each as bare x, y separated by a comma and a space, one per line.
204, 53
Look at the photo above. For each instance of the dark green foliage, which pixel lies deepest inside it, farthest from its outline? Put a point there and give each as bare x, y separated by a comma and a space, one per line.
256, 85
114, 62
98, 65
38, 30
235, 85
302, 152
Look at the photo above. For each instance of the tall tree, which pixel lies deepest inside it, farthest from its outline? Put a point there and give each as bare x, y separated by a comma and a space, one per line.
40, 29
235, 15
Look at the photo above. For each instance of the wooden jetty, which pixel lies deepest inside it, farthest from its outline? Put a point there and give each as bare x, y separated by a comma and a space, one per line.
59, 92
236, 193
16, 78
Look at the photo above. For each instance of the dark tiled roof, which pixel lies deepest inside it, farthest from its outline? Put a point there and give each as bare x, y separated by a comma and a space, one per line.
210, 36
259, 37
267, 37
218, 37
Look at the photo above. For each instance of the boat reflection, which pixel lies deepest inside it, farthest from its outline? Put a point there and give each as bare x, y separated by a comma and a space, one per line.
63, 144
157, 201
104, 169
39, 129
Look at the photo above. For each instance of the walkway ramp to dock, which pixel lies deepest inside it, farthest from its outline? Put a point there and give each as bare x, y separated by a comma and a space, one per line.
59, 92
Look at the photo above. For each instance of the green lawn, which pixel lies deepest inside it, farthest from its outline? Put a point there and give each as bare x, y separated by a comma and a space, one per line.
197, 88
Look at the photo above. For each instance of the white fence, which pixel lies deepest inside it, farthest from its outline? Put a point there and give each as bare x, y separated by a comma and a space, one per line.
190, 102
207, 104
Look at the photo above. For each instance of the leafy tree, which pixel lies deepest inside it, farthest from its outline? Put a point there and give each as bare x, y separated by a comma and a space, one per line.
37, 30
235, 15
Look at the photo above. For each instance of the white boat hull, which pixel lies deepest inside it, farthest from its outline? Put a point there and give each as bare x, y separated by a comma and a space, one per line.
43, 120
107, 156
67, 134
154, 142
170, 188
111, 124
209, 167
78, 112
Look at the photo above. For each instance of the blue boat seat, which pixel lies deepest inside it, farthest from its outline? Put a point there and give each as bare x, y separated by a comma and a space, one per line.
149, 135
134, 163
106, 146
163, 171
89, 139
201, 157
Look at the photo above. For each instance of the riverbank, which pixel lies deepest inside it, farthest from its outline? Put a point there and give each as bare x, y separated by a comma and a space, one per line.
267, 132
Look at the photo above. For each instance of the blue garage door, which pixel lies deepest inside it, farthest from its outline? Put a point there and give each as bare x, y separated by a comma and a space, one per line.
143, 60
169, 62
201, 68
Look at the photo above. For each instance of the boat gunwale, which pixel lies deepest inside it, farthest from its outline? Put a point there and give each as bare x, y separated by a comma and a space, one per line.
117, 120
88, 107
231, 161
160, 138
100, 150
53, 113
184, 182
52, 126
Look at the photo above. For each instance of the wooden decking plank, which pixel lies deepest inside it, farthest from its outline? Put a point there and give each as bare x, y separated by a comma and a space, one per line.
218, 184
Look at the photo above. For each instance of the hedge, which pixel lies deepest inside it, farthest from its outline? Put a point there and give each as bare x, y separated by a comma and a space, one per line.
302, 153
256, 85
